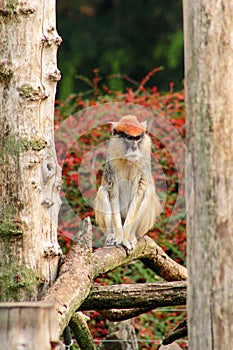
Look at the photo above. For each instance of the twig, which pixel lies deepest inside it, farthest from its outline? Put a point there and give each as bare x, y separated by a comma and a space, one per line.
180, 331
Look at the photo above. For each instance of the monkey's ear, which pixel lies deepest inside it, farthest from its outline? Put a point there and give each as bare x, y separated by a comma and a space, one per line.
113, 127
113, 124
144, 124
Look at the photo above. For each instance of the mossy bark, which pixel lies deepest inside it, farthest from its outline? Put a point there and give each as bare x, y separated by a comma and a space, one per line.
30, 177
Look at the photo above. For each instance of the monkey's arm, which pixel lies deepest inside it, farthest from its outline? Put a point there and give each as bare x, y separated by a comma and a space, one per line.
107, 207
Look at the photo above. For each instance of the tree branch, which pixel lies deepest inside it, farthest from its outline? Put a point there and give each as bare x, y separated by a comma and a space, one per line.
108, 258
75, 277
115, 315
180, 331
82, 334
81, 267
140, 295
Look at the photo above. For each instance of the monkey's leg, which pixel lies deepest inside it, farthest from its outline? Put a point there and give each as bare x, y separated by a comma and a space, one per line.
103, 211
149, 212
134, 214
147, 215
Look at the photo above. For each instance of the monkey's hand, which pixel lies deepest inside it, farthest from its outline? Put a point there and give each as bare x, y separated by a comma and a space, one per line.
129, 242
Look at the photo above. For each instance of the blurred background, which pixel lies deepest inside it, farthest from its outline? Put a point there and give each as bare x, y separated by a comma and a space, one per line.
120, 38
122, 52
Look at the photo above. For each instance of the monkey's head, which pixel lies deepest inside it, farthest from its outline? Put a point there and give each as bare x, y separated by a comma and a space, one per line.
132, 133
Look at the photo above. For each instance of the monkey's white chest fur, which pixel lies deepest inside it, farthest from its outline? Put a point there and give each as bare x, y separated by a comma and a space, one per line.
127, 205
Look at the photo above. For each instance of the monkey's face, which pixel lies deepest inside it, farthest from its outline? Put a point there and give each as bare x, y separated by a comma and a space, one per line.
132, 145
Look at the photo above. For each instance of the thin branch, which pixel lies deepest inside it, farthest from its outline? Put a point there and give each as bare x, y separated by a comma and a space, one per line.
115, 315
180, 331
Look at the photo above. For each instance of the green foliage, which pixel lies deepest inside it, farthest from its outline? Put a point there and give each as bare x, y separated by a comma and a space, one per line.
119, 37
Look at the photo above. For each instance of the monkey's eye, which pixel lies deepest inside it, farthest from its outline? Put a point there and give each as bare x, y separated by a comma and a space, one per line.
130, 137
134, 138
137, 138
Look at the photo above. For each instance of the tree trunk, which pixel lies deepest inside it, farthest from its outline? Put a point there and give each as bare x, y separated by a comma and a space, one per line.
30, 177
208, 30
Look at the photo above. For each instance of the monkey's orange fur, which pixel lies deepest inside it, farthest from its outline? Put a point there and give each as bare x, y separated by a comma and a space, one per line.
130, 125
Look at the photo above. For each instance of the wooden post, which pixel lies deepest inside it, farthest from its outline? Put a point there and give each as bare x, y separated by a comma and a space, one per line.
31, 325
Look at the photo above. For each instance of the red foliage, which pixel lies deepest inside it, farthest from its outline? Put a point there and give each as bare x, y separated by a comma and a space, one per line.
170, 109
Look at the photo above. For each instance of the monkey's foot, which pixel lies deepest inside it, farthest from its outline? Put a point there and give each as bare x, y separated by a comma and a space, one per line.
128, 245
133, 242
110, 240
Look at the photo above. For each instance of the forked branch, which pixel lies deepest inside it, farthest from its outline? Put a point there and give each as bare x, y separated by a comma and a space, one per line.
81, 266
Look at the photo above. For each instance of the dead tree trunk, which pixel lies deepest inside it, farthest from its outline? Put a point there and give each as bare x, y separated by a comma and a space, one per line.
30, 177
208, 28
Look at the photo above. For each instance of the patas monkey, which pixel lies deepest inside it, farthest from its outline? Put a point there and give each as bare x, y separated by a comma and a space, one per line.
127, 205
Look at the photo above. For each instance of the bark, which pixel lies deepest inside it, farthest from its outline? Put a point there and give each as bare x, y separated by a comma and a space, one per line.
140, 295
30, 177
208, 29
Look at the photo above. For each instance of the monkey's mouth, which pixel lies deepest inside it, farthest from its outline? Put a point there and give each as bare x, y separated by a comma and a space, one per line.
133, 156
